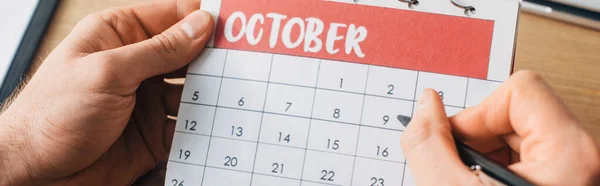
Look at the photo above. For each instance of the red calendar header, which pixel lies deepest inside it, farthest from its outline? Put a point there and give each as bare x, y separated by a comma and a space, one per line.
357, 33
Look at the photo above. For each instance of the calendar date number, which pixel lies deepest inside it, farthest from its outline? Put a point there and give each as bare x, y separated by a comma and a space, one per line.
327, 175
184, 154
386, 119
284, 137
190, 125
237, 131
382, 152
277, 168
230, 161
375, 181
333, 144
176, 182
195, 96
336, 113
241, 102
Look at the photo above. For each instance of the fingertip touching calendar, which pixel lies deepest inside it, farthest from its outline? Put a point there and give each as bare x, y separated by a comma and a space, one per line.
306, 92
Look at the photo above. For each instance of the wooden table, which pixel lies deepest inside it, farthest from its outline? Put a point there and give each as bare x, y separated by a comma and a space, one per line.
567, 56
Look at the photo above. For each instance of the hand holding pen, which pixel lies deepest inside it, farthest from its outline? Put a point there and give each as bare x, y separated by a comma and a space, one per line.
523, 125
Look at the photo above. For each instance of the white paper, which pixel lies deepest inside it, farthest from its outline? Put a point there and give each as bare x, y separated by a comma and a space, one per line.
14, 19
265, 119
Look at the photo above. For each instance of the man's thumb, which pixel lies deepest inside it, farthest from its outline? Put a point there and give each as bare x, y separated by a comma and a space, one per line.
172, 49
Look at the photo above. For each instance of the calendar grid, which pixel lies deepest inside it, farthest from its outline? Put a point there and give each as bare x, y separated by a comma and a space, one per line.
352, 67
360, 124
310, 123
261, 120
357, 156
213, 122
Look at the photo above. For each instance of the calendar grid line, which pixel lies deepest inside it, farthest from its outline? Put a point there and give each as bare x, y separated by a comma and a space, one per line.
413, 115
296, 116
310, 122
261, 120
318, 183
415, 95
362, 110
214, 118
248, 172
382, 128
403, 174
357, 63
466, 93
195, 164
390, 161
304, 117
299, 148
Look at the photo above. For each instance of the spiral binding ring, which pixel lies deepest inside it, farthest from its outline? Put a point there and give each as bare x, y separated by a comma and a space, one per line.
411, 3
469, 10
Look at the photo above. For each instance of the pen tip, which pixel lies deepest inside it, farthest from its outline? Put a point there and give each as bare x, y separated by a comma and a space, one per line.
404, 120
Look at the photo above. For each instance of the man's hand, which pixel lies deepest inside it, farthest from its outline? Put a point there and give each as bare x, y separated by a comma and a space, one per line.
96, 110
522, 125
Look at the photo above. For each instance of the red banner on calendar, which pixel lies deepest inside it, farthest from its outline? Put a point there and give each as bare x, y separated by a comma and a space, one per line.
356, 33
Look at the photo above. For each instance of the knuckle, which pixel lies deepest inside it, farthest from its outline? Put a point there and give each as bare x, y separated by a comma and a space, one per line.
164, 45
121, 19
107, 16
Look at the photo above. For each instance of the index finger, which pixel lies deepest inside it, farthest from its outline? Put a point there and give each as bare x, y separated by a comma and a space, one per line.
524, 105
158, 16
135, 23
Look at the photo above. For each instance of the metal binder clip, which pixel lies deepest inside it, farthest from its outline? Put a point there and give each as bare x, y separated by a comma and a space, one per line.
411, 3
465, 4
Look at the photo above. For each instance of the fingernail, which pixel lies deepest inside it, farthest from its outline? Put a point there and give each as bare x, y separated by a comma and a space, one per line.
194, 25
425, 96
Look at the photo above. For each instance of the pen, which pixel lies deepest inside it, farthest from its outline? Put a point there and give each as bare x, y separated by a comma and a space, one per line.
488, 171
580, 16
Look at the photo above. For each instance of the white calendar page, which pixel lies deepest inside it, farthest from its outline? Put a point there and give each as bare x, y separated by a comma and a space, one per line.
306, 92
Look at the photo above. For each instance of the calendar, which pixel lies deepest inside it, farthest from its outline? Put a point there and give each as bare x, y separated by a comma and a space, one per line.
307, 92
